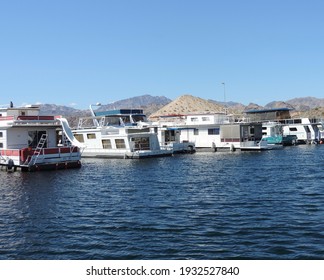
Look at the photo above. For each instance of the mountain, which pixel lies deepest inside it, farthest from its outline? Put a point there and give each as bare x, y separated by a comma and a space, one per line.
52, 109
143, 101
253, 106
279, 104
160, 105
234, 107
148, 103
306, 103
186, 104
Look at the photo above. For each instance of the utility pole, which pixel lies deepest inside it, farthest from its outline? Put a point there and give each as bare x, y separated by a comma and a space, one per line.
223, 83
225, 108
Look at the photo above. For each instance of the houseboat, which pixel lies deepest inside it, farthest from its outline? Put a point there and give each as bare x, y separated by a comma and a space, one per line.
306, 130
217, 131
30, 141
294, 130
169, 138
122, 133
273, 133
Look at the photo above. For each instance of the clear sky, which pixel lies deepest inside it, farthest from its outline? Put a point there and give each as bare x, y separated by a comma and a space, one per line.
78, 52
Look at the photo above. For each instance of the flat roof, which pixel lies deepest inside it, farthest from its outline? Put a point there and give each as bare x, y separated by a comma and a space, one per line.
255, 111
120, 112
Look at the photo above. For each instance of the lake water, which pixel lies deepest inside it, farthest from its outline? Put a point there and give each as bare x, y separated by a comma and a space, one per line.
240, 205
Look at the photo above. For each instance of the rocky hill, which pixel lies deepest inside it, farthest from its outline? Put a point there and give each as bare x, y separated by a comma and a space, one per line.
188, 104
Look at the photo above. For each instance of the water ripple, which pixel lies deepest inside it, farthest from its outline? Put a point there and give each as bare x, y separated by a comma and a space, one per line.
202, 206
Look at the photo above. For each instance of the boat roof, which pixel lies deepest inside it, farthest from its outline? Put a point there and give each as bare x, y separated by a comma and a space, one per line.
120, 112
255, 111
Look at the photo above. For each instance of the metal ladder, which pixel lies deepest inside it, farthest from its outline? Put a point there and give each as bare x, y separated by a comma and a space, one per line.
2, 158
38, 149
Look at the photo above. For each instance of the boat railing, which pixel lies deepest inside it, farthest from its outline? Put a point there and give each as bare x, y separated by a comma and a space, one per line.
292, 121
31, 156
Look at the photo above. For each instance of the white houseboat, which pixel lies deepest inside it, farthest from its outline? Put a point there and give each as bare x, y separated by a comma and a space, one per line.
273, 133
306, 130
120, 133
294, 130
217, 131
30, 141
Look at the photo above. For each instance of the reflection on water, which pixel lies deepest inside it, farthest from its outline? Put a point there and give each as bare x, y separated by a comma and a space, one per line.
265, 205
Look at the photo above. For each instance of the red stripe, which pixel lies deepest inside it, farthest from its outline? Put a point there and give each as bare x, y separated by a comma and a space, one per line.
6, 118
230, 140
41, 118
9, 153
64, 150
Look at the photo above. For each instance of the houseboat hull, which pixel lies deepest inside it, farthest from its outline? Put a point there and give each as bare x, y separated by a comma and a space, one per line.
47, 159
126, 154
52, 166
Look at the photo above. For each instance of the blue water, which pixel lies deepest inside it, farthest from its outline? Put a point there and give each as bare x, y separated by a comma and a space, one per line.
241, 205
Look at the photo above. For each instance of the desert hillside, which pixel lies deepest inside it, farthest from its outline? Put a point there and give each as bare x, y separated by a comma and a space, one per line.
188, 104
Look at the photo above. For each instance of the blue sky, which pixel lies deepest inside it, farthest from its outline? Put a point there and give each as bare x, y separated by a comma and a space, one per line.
77, 52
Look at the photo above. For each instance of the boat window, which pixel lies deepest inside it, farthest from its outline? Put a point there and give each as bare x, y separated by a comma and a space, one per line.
125, 120
1, 145
34, 137
141, 130
141, 143
120, 143
292, 128
213, 131
1, 134
169, 135
113, 120
106, 144
138, 118
79, 137
91, 136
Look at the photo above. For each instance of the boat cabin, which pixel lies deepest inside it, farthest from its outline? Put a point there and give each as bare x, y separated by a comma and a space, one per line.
274, 114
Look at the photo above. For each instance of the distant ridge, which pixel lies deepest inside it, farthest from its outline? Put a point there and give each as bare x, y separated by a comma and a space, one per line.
279, 104
52, 109
160, 105
148, 103
136, 102
306, 103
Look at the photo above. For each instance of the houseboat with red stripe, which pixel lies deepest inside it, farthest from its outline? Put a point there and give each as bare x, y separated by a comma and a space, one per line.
31, 142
